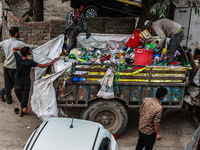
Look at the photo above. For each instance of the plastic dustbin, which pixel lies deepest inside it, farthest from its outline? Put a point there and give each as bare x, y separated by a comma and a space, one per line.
142, 57
135, 40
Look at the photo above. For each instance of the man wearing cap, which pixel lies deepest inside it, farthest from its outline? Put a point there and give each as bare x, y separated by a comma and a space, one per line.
167, 28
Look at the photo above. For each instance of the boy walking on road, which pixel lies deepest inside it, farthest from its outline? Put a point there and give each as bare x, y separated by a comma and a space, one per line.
150, 115
22, 77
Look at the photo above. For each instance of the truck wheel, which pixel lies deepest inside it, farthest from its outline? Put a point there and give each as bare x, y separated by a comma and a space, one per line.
91, 11
111, 114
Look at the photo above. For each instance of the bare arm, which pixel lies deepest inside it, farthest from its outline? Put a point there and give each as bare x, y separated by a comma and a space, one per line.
48, 64
16, 49
158, 133
157, 119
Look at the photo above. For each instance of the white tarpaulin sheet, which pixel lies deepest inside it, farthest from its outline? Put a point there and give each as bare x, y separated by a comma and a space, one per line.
99, 40
43, 100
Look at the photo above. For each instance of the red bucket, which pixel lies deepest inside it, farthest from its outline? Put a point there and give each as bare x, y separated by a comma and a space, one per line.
142, 57
135, 39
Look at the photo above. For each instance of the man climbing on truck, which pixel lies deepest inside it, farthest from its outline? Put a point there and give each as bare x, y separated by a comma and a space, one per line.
150, 115
167, 28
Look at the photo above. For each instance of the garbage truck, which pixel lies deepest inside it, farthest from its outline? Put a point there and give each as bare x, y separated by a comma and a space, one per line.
131, 84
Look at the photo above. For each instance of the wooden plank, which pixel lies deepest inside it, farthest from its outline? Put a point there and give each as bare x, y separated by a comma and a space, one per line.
133, 70
135, 94
163, 106
82, 93
124, 92
111, 65
133, 77
72, 105
135, 83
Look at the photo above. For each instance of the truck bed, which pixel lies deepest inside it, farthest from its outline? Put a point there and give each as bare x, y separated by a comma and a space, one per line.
131, 86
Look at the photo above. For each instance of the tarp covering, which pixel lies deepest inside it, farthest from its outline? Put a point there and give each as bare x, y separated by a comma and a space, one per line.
46, 53
98, 40
43, 100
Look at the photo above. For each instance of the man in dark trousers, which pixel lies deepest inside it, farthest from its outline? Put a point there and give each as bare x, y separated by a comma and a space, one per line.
74, 23
22, 77
167, 28
9, 63
150, 115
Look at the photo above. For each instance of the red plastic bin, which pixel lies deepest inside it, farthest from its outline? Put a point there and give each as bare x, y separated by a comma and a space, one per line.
142, 57
135, 39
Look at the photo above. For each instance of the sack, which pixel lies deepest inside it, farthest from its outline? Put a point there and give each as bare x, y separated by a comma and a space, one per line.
106, 82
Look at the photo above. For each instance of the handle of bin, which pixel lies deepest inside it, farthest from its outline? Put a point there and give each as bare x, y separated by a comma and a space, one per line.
139, 51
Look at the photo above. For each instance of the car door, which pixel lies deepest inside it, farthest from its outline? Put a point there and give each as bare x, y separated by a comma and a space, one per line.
131, 7
112, 5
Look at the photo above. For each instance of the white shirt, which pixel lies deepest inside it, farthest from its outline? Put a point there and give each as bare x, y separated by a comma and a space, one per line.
8, 46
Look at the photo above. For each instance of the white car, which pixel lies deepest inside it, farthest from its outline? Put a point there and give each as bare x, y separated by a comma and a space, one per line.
71, 134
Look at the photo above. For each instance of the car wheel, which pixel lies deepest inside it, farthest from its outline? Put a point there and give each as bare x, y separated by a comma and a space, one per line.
91, 11
111, 114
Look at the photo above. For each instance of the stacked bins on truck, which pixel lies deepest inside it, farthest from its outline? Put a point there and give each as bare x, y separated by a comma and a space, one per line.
130, 88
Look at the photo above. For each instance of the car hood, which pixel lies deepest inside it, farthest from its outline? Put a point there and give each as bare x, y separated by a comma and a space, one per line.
58, 135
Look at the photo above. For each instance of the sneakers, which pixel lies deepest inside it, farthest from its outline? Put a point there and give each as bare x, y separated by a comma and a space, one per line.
2, 98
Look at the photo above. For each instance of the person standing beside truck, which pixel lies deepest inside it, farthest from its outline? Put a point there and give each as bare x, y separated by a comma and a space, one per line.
167, 28
193, 90
9, 63
74, 23
22, 77
150, 116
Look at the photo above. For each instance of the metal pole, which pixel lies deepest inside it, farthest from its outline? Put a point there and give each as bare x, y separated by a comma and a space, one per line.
3, 20
188, 34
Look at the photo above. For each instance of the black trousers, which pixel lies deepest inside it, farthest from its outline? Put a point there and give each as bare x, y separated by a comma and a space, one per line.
173, 45
72, 35
9, 83
146, 141
22, 93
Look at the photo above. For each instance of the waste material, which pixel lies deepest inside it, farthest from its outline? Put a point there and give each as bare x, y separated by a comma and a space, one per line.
137, 51
145, 34
106, 82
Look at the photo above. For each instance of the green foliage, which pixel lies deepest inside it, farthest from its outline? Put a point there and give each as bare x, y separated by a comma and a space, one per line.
161, 6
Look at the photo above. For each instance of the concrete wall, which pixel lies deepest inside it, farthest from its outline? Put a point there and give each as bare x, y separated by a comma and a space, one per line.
41, 32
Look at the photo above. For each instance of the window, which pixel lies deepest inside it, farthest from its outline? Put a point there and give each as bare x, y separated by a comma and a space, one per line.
105, 144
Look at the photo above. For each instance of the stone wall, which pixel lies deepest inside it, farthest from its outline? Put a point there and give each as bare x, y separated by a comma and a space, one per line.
35, 32
41, 32
111, 25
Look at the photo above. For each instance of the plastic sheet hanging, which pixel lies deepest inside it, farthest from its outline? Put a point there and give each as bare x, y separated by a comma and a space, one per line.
43, 99
106, 82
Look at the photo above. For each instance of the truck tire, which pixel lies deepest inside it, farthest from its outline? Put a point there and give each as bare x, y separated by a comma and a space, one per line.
91, 11
111, 114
